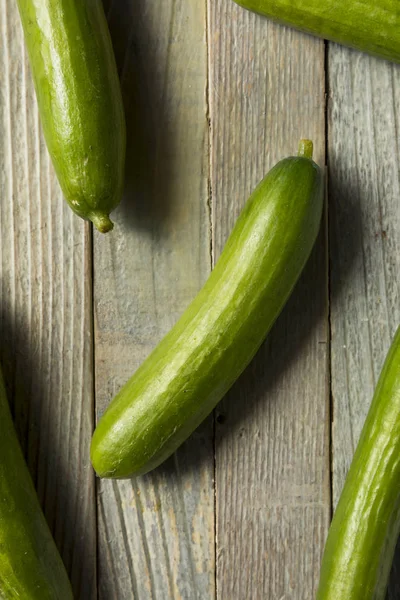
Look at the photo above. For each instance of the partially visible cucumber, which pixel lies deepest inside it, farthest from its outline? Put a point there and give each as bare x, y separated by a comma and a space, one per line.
30, 566
372, 26
200, 358
80, 101
366, 525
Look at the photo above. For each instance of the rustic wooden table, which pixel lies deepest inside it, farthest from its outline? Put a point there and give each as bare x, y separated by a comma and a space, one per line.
214, 97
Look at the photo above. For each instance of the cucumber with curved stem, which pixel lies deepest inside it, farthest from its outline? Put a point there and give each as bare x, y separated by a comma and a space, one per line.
200, 358
366, 25
361, 541
30, 565
80, 102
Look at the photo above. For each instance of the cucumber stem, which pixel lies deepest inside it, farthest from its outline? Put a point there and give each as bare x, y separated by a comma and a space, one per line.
101, 221
306, 149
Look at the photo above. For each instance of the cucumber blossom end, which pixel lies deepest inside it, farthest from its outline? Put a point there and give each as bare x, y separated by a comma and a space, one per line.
101, 221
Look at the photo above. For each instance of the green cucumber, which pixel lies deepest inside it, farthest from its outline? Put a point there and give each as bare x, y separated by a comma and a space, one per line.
30, 565
200, 358
368, 25
361, 541
79, 100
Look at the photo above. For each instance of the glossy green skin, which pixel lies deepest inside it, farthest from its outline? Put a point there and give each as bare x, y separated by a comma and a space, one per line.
361, 541
200, 358
30, 566
372, 26
80, 101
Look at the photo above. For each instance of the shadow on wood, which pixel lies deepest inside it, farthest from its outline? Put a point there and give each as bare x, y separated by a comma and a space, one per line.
37, 422
345, 230
143, 72
346, 244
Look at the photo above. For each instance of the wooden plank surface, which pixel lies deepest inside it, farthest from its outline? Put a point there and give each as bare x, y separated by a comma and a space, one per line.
156, 533
364, 163
46, 317
272, 457
214, 97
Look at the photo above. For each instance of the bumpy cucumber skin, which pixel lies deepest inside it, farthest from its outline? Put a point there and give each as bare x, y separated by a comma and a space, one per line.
80, 102
200, 358
366, 25
30, 566
362, 538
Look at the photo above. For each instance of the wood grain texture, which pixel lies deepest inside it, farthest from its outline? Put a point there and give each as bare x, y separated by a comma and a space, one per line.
156, 533
258, 90
272, 456
364, 163
46, 317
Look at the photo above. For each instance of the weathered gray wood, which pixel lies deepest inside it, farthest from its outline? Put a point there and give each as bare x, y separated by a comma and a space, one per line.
272, 457
156, 532
364, 126
46, 316
266, 90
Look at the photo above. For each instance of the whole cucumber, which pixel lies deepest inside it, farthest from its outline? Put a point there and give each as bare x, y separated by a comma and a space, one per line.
30, 566
200, 358
367, 25
361, 541
80, 102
